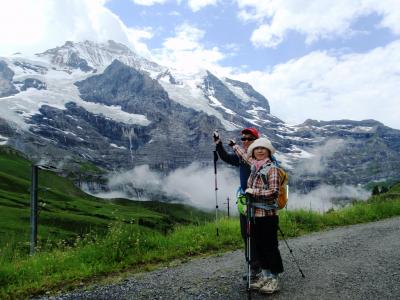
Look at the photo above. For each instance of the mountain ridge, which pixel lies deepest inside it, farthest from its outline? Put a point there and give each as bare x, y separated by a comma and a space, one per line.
105, 104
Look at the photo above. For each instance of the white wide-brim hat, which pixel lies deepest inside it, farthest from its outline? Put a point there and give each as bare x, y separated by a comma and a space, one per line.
261, 142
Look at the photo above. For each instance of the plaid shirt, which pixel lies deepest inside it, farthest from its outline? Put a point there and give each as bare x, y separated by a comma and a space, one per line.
262, 194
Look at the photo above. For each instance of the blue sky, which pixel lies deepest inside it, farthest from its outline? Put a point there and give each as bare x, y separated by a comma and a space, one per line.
223, 29
318, 59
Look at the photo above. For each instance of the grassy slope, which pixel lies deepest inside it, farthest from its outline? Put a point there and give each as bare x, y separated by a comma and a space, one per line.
68, 211
135, 248
298, 222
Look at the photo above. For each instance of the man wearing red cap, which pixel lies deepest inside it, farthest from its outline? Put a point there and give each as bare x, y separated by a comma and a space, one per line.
249, 135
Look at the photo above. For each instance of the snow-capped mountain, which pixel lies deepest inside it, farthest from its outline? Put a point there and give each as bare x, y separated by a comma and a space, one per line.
105, 104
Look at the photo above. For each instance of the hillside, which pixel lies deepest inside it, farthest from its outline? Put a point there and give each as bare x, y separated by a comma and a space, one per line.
66, 211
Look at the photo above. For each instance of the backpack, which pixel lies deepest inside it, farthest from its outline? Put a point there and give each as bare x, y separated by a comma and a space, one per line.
241, 201
283, 188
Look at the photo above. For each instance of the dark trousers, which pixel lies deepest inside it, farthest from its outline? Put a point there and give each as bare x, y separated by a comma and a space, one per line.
266, 242
255, 264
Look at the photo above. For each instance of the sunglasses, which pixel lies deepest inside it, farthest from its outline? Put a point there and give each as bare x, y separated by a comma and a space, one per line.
247, 139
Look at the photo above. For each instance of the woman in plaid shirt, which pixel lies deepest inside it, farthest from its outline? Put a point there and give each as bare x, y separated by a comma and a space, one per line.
266, 220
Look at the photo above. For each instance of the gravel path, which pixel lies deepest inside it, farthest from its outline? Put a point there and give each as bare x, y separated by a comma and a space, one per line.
354, 262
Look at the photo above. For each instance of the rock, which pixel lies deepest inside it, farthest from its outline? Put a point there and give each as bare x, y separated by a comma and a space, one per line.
7, 88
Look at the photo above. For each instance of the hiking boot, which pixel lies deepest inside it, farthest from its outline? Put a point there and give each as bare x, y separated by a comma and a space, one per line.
270, 287
262, 281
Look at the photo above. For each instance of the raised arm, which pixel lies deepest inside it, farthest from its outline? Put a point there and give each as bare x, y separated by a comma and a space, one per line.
229, 158
240, 152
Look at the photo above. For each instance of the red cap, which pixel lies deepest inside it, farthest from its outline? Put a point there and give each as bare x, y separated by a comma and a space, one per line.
252, 131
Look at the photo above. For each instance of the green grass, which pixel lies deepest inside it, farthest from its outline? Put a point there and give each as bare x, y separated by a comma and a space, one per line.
299, 222
66, 211
125, 246
134, 247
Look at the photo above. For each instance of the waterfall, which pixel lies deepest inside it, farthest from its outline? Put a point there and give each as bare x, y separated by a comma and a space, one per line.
129, 133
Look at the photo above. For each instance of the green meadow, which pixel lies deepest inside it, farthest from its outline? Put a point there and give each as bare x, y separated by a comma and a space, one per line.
65, 211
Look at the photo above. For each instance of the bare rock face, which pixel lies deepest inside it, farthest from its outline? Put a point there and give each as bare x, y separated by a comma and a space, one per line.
32, 83
122, 85
346, 152
7, 88
178, 134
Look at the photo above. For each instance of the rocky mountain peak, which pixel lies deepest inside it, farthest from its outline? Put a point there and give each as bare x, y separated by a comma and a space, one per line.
127, 87
250, 94
90, 56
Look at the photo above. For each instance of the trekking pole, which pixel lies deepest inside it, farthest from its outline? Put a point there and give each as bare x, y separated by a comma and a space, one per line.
227, 203
248, 243
291, 252
216, 189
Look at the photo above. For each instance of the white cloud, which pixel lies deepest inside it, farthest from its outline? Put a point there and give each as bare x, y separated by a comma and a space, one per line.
326, 86
184, 51
22, 33
136, 38
44, 24
317, 162
266, 36
196, 5
314, 19
197, 184
326, 197
194, 184
149, 2
187, 37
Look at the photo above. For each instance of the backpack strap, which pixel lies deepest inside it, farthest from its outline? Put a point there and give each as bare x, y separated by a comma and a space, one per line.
265, 181
263, 172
